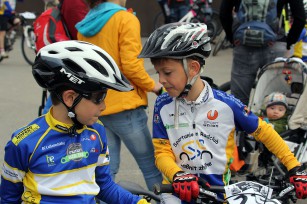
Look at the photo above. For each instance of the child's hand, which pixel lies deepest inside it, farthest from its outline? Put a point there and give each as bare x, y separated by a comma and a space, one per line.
185, 185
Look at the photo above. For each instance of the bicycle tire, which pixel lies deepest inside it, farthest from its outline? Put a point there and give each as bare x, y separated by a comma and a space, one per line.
215, 20
225, 87
211, 27
217, 47
27, 52
218, 44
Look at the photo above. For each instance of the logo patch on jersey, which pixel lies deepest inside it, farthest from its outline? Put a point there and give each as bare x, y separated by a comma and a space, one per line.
156, 118
25, 133
93, 137
198, 151
212, 115
181, 125
211, 124
246, 111
53, 145
94, 150
50, 160
74, 153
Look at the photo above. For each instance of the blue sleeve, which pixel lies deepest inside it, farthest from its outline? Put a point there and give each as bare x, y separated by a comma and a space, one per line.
110, 192
13, 170
244, 119
158, 128
303, 33
8, 6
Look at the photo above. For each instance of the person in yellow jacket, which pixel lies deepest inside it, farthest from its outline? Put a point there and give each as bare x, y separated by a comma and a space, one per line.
110, 26
300, 48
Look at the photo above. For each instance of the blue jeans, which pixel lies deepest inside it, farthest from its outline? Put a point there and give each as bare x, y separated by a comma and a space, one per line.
131, 127
246, 62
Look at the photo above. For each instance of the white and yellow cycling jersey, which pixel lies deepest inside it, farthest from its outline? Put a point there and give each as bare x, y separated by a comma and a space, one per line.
204, 140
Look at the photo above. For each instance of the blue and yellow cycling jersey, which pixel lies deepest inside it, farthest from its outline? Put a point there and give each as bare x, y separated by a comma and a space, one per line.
202, 139
45, 164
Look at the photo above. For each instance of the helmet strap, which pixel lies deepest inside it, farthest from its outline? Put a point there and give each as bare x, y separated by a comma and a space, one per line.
191, 82
72, 115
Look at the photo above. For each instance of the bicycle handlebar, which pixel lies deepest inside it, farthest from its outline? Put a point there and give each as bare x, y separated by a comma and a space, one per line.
211, 192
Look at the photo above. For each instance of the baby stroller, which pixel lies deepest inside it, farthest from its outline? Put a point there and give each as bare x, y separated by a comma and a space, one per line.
288, 76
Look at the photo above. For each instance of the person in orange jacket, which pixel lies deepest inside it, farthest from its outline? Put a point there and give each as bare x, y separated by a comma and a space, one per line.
110, 26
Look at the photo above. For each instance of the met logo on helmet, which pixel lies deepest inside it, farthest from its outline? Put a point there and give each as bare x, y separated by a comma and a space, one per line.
72, 77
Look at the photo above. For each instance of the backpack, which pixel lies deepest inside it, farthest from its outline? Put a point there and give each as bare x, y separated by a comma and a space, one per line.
50, 28
256, 23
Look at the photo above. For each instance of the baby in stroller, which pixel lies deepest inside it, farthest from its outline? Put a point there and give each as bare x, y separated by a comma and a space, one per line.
275, 111
281, 83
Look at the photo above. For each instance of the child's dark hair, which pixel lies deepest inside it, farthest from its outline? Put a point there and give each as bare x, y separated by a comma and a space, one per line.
59, 91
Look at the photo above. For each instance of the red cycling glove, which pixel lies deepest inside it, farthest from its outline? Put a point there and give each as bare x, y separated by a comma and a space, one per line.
298, 177
185, 185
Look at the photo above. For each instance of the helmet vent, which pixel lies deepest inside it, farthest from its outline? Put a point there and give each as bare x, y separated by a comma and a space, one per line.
106, 59
72, 65
73, 49
174, 41
98, 67
52, 52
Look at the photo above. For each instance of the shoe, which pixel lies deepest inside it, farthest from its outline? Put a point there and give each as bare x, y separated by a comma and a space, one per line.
4, 55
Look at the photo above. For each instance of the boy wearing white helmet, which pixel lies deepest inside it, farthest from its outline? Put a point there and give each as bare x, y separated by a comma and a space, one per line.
194, 124
63, 157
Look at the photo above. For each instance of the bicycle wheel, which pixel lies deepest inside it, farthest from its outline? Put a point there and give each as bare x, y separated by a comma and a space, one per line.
158, 20
215, 26
219, 43
28, 47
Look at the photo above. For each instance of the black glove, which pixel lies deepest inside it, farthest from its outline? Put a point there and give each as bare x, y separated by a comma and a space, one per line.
298, 177
185, 185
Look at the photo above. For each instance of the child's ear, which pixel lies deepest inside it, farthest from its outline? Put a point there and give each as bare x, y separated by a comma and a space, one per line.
69, 96
194, 67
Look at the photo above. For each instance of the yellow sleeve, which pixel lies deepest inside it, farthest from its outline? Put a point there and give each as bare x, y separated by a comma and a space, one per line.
143, 201
266, 134
165, 158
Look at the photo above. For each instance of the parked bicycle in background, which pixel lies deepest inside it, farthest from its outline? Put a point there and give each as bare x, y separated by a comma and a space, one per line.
200, 11
27, 38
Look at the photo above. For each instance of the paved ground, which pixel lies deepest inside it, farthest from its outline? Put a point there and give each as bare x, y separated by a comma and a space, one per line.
20, 98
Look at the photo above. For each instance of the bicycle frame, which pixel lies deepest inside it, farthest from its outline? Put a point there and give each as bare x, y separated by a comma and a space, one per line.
26, 29
188, 17
200, 10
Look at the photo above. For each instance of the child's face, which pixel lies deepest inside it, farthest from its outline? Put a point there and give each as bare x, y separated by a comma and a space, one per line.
275, 111
88, 110
172, 76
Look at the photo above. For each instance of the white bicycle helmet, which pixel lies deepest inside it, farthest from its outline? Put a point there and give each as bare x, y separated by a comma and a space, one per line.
178, 40
79, 65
